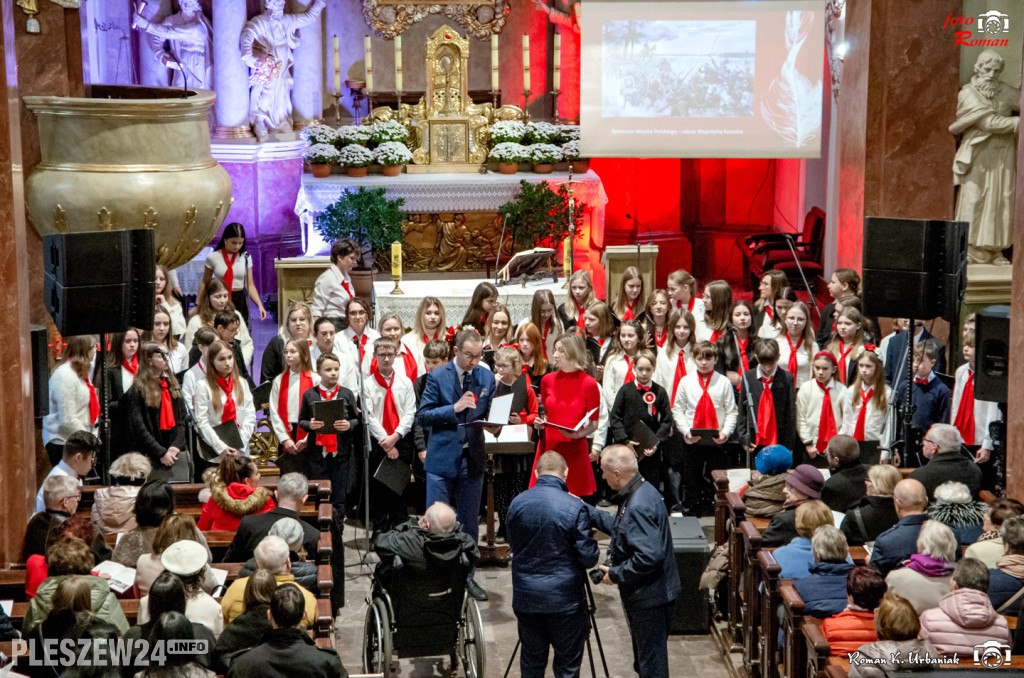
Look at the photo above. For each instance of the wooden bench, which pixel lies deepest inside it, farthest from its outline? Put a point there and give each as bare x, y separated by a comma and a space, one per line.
218, 540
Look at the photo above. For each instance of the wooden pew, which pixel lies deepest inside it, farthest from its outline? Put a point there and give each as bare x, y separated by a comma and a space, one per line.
794, 654
218, 540
770, 602
751, 609
736, 516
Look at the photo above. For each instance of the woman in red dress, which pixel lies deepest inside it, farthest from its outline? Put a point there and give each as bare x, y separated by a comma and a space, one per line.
566, 395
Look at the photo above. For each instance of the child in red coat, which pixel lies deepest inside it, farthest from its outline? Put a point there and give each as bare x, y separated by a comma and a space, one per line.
235, 492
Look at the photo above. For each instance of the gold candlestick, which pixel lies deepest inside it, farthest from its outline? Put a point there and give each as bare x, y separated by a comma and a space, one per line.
494, 105
554, 106
396, 266
526, 105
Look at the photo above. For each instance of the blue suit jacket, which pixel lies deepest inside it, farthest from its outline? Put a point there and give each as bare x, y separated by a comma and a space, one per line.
437, 413
897, 543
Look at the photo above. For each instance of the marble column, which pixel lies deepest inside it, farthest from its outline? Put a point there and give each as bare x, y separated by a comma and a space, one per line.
17, 435
308, 71
1015, 404
230, 74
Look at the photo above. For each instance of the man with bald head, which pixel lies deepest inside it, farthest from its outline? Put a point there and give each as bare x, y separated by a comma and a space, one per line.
899, 542
642, 563
439, 518
435, 540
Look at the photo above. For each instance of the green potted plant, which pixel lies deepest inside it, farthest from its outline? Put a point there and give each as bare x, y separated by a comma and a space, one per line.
508, 155
571, 152
370, 219
538, 216
507, 131
389, 130
356, 159
320, 158
353, 134
544, 157
393, 155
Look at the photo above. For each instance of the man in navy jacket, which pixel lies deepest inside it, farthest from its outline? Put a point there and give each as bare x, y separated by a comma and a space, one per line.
899, 542
642, 561
550, 535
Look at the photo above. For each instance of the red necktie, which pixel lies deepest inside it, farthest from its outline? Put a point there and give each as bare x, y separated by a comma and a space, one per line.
862, 416
412, 370
230, 411
842, 361
390, 419
715, 336
94, 403
964, 420
305, 383
629, 370
744, 360
705, 415
792, 355
680, 372
579, 315
923, 381
229, 275
361, 343
827, 420
768, 312
328, 441
660, 341
766, 429
690, 303
348, 290
132, 365
628, 315
166, 406
544, 341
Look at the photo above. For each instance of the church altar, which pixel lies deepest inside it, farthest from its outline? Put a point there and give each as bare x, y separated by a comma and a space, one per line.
456, 294
454, 222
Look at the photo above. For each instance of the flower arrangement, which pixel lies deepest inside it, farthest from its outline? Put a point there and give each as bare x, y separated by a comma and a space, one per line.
355, 155
392, 153
319, 134
353, 134
542, 133
507, 131
321, 154
508, 151
569, 132
571, 150
383, 132
544, 154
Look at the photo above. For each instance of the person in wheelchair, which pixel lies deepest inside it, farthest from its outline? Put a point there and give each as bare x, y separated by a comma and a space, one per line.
420, 546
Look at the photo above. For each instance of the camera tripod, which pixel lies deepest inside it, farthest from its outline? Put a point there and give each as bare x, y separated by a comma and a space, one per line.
591, 609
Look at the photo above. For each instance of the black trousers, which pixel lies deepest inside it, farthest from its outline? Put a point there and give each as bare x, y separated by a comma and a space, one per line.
388, 509
240, 298
564, 633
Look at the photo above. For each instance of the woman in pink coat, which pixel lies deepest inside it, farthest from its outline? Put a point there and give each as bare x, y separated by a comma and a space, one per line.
965, 616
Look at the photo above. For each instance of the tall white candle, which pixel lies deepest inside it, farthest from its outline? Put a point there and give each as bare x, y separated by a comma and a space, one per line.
526, 62
337, 67
398, 63
368, 56
557, 84
494, 62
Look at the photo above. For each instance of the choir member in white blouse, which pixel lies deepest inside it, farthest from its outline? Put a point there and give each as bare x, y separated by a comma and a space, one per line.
866, 403
285, 400
196, 374
796, 344
429, 324
360, 336
819, 409
230, 263
213, 298
74, 405
679, 347
224, 396
333, 289
618, 371
164, 297
405, 362
327, 340
177, 356
970, 415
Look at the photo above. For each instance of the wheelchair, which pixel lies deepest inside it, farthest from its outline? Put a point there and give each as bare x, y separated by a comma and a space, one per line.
422, 614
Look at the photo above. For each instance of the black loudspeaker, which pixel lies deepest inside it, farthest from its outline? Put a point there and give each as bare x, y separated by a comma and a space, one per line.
914, 267
40, 371
992, 353
692, 613
99, 282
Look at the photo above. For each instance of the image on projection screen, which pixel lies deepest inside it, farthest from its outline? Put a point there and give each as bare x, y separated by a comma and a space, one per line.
682, 79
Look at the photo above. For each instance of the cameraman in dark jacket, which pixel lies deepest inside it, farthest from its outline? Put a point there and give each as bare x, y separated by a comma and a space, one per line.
642, 560
549, 532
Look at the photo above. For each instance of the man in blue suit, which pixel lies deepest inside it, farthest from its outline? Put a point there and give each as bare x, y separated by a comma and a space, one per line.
642, 560
550, 535
456, 394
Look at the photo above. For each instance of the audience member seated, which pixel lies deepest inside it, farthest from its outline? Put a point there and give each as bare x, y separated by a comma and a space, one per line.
292, 492
234, 492
803, 484
855, 626
113, 508
71, 600
435, 538
174, 528
90, 630
77, 461
989, 547
947, 460
287, 650
188, 559
78, 526
60, 497
167, 594
1006, 579
304, 571
7, 630
927, 574
68, 557
766, 494
796, 558
245, 630
824, 589
965, 616
877, 510
154, 503
955, 508
272, 556
176, 626
897, 626
846, 486
899, 542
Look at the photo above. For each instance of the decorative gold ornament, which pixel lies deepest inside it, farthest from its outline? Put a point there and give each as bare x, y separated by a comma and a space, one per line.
149, 219
388, 18
105, 219
60, 219
31, 9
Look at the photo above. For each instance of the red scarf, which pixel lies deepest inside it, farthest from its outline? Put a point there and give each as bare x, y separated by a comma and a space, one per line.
230, 411
167, 420
660, 341
827, 420
842, 361
579, 315
862, 416
411, 368
348, 290
328, 441
132, 365
628, 315
680, 373
390, 419
964, 420
689, 304
705, 415
229, 275
94, 403
715, 336
768, 312
361, 343
426, 339
744, 360
792, 355
544, 340
305, 383
767, 433
629, 370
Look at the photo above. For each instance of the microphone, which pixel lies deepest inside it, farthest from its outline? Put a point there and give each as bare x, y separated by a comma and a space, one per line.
184, 75
639, 224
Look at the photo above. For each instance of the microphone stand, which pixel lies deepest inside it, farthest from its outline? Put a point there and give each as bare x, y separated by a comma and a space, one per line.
497, 257
104, 413
796, 260
746, 389
637, 224
366, 460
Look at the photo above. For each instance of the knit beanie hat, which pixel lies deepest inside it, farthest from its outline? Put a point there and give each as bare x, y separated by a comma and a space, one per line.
773, 459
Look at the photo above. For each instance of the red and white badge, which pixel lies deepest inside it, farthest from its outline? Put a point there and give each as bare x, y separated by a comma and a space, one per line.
649, 399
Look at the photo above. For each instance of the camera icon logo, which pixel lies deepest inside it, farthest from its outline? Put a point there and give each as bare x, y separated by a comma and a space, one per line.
991, 654
993, 22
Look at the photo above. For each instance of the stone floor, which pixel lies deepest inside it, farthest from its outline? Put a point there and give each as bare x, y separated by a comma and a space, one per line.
695, 656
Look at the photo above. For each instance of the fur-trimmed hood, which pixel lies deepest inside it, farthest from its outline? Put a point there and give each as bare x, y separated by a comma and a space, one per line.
239, 498
957, 514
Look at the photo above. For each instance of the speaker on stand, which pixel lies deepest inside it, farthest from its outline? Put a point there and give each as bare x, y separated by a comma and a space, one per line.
991, 377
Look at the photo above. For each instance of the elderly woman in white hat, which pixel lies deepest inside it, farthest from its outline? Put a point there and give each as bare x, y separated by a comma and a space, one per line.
187, 559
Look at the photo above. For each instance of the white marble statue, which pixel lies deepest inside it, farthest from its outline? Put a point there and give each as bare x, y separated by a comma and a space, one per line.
985, 164
268, 40
182, 42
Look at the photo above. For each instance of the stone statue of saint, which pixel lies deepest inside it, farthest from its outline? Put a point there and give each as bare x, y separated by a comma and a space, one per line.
986, 161
267, 43
181, 42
